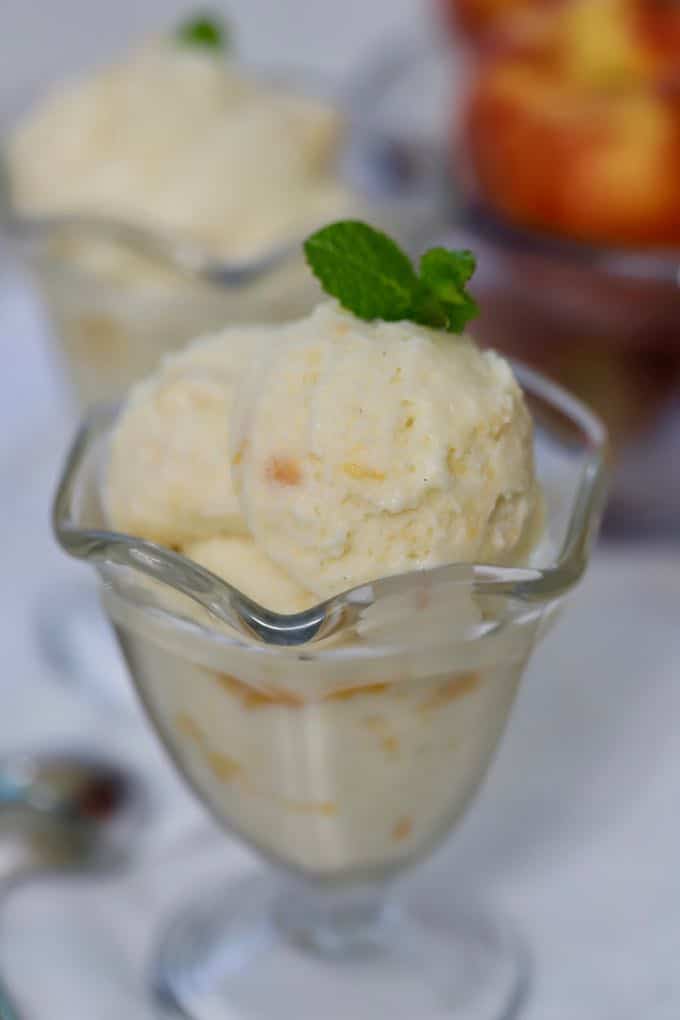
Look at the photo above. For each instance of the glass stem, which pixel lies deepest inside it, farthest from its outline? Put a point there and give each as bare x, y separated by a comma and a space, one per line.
336, 922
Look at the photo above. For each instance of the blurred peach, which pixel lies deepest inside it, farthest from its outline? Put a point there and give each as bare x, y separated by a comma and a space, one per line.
598, 39
576, 129
477, 19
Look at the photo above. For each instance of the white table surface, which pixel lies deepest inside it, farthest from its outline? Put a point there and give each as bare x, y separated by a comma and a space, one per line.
577, 834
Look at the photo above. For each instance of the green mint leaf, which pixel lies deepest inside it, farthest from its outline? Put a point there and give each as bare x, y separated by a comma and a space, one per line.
203, 30
364, 269
444, 274
372, 277
427, 309
450, 270
460, 314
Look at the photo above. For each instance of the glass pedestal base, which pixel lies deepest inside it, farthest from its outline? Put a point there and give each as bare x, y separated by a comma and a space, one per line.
264, 950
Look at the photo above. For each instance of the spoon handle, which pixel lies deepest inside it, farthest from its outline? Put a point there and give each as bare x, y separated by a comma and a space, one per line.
8, 1008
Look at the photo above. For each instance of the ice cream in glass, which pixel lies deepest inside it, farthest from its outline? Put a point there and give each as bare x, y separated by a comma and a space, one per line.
133, 183
329, 548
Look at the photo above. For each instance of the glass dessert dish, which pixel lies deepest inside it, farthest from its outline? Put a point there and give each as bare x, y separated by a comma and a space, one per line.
341, 744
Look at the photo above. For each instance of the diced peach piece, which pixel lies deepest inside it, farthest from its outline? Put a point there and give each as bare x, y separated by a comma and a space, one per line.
284, 471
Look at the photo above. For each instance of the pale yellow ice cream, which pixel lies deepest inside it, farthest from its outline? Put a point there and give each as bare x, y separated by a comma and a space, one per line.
181, 139
336, 451
238, 559
169, 478
369, 449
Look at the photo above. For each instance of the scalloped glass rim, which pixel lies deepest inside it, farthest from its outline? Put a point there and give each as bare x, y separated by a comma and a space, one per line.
531, 584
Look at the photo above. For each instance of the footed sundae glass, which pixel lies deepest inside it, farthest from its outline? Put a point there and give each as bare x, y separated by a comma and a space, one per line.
341, 744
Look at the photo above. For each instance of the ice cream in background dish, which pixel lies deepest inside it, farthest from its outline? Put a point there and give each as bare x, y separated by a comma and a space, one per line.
296, 461
183, 140
213, 159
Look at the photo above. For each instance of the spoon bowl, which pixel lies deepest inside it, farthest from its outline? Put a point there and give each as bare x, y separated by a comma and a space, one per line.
65, 811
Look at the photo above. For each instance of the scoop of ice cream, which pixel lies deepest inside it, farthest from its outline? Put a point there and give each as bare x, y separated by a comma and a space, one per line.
169, 477
238, 560
296, 461
179, 139
361, 450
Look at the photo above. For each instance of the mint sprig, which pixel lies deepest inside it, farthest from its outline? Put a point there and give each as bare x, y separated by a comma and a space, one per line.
372, 277
204, 30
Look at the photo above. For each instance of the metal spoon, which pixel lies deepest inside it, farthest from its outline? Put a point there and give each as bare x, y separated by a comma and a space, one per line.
62, 812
